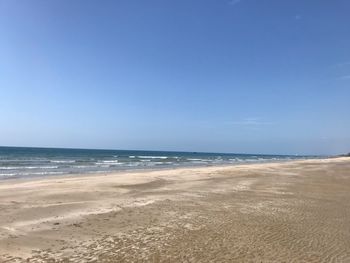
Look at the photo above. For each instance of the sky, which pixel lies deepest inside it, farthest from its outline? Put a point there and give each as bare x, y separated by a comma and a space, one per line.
240, 76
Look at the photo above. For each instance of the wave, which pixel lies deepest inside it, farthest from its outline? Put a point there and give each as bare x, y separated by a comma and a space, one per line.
8, 175
41, 173
27, 167
84, 166
62, 161
152, 157
29, 174
110, 161
158, 163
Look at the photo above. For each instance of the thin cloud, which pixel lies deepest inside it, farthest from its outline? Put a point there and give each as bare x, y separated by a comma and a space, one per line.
342, 64
251, 122
344, 77
297, 17
234, 2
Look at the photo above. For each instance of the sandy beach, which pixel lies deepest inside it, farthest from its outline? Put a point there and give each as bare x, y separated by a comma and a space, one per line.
295, 211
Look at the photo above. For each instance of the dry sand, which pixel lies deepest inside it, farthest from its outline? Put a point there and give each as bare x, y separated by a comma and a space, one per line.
280, 212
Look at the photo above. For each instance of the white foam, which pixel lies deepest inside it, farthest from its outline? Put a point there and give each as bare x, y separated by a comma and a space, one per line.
110, 161
62, 161
84, 166
27, 167
9, 168
199, 162
39, 173
8, 175
156, 163
152, 157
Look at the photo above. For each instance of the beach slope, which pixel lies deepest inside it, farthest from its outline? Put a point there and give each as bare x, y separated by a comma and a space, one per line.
295, 211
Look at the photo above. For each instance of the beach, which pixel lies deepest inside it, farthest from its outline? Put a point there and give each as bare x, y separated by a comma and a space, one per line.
295, 211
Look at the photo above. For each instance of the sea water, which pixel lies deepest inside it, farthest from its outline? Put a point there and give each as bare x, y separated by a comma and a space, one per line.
19, 162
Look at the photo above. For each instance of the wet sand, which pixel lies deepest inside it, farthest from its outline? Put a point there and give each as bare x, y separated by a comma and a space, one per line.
279, 212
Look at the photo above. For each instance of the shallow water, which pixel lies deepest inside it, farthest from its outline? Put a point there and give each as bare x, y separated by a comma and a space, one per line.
19, 162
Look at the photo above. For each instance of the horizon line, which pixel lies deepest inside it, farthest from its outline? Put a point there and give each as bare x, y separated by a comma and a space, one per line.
171, 151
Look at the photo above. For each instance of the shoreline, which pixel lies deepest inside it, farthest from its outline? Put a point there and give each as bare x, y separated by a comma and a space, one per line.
53, 218
153, 169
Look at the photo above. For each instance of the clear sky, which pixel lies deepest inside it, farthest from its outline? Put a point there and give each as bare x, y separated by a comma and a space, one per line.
247, 76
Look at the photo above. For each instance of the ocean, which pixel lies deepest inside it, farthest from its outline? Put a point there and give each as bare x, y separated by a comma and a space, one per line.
23, 162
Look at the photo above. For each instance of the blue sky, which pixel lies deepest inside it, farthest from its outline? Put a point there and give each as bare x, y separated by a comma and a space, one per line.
247, 76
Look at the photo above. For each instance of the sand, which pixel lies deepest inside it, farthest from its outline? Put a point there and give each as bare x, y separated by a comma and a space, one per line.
296, 211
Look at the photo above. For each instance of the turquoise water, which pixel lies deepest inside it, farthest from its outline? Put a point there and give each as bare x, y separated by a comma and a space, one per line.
18, 162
